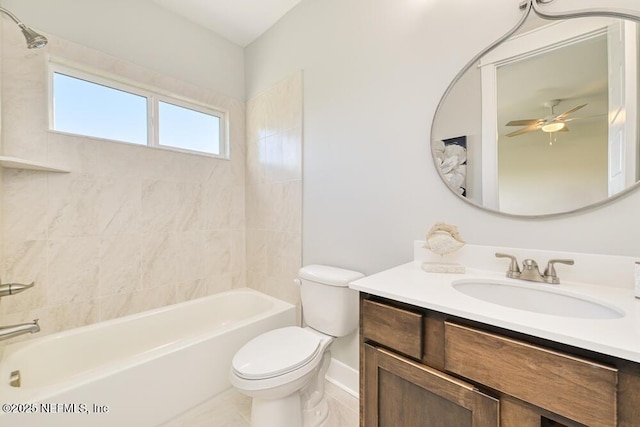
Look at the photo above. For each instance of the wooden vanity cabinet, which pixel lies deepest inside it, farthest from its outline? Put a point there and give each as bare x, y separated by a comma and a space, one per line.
402, 392
424, 368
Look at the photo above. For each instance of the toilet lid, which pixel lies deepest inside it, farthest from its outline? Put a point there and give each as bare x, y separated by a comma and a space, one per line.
275, 353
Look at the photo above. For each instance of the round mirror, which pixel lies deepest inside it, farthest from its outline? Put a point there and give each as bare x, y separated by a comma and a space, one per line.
545, 122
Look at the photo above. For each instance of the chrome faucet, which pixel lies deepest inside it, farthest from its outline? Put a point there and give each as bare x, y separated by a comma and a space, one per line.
531, 272
11, 331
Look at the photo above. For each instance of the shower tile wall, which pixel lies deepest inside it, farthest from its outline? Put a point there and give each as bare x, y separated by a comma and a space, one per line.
274, 189
1, 151
130, 228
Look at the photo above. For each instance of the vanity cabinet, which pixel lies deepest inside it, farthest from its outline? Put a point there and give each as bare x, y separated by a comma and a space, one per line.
402, 392
424, 368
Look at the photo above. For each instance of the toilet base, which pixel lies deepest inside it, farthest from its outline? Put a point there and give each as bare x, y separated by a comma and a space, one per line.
305, 408
315, 407
316, 416
284, 412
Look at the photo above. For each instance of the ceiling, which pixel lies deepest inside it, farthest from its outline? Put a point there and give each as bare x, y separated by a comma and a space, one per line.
240, 21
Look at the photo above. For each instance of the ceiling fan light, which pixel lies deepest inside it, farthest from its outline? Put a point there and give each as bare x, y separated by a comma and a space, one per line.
553, 127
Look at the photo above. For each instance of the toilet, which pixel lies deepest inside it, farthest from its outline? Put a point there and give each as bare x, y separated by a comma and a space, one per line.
283, 370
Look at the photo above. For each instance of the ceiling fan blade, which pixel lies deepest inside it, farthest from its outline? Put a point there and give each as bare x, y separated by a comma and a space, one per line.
532, 128
526, 122
570, 119
561, 117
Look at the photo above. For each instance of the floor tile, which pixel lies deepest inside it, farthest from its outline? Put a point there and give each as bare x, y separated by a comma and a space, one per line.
233, 409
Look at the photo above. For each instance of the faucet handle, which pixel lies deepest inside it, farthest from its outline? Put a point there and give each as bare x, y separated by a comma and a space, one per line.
550, 275
7, 289
514, 270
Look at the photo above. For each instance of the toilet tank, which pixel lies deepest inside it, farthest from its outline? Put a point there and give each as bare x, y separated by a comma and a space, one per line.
328, 305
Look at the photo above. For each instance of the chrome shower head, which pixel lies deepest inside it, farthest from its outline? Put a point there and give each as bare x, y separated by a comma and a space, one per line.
34, 40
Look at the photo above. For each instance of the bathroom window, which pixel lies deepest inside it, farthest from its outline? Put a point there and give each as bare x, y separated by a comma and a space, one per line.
86, 108
187, 128
84, 103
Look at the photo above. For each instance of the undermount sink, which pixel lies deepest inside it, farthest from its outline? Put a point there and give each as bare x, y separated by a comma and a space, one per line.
538, 300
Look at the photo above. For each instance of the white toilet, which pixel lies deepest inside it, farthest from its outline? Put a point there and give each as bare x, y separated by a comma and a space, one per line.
283, 369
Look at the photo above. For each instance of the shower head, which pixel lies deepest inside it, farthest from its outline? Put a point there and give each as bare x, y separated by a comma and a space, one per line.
34, 40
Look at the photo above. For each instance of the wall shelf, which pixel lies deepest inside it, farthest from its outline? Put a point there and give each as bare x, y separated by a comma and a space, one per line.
15, 163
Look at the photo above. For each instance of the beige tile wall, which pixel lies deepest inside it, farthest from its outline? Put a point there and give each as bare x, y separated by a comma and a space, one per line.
133, 228
1, 174
130, 228
274, 189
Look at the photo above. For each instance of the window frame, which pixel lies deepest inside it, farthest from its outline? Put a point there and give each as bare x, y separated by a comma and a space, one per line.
153, 96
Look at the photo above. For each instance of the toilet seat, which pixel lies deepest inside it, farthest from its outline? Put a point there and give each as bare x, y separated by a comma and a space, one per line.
276, 353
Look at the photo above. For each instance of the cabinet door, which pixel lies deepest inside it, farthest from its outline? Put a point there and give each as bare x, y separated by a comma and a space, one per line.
400, 392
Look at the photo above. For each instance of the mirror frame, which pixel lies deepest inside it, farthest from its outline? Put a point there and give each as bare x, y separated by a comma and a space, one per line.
527, 6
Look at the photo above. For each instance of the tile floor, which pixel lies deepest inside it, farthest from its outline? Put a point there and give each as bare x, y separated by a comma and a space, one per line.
232, 409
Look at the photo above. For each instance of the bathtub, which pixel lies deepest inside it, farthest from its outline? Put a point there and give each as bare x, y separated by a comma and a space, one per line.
140, 370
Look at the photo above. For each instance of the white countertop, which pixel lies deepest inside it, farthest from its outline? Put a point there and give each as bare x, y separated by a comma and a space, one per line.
616, 337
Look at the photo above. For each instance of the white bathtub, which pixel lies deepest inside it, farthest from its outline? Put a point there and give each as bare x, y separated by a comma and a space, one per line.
140, 370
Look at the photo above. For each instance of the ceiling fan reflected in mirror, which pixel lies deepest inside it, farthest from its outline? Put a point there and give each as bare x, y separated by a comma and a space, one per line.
550, 124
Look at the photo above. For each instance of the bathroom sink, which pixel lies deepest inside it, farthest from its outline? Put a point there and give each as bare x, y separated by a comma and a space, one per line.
537, 298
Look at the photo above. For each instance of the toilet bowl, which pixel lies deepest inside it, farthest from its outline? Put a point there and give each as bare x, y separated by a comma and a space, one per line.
283, 370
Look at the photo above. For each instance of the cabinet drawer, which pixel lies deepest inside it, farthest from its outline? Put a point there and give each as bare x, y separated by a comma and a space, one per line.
575, 388
393, 327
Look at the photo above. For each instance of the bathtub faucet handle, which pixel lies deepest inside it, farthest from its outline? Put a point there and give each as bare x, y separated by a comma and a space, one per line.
7, 289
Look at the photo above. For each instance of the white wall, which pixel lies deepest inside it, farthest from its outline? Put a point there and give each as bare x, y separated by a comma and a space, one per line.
374, 72
143, 33
535, 178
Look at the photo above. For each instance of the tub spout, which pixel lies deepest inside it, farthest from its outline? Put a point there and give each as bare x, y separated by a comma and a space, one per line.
11, 331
